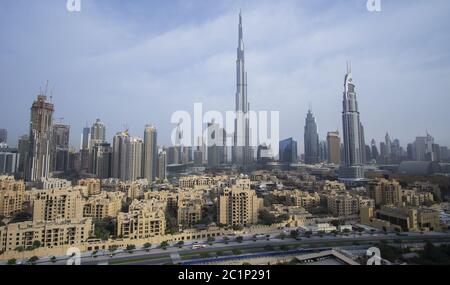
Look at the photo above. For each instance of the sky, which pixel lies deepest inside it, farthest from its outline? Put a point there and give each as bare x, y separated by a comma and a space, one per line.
131, 63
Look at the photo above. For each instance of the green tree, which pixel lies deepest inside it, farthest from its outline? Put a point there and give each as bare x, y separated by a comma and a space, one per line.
36, 244
147, 246
239, 239
164, 245
180, 244
237, 252
33, 260
105, 228
12, 261
211, 240
53, 259
226, 240
266, 218
130, 248
22, 217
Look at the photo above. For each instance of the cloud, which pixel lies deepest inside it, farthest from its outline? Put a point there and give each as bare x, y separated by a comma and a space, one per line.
116, 63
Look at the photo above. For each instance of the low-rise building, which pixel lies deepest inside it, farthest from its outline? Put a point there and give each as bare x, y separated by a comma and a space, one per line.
47, 234
92, 186
144, 219
52, 205
105, 205
12, 196
385, 192
401, 218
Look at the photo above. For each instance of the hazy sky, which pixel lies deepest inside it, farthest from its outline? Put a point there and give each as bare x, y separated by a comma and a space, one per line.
136, 62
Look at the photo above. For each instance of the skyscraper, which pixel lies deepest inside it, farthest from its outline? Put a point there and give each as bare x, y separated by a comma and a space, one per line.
162, 165
38, 165
311, 139
288, 151
127, 157
119, 141
242, 152
334, 148
150, 163
132, 157
3, 136
353, 170
60, 147
101, 157
98, 132
85, 138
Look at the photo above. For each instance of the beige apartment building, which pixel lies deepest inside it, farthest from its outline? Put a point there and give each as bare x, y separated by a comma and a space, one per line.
49, 234
189, 212
105, 205
145, 219
342, 204
12, 196
401, 218
238, 205
299, 198
416, 198
52, 205
92, 187
385, 192
200, 182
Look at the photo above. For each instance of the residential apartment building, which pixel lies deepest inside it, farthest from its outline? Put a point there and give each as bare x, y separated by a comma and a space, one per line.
12, 196
238, 205
384, 192
105, 205
52, 205
48, 234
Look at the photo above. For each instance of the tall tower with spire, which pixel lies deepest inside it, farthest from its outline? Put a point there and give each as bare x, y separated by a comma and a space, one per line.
242, 152
352, 171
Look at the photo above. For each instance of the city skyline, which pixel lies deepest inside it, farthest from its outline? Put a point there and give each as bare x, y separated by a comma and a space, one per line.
257, 45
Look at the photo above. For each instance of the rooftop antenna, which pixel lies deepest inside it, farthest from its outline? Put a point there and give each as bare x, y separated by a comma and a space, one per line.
310, 107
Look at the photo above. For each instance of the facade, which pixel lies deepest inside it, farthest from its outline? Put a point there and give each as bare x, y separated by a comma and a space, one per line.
39, 154
288, 151
104, 205
97, 133
162, 165
90, 186
189, 211
342, 205
49, 234
150, 151
242, 151
119, 150
9, 160
142, 221
352, 171
406, 219
52, 205
101, 160
334, 148
385, 192
238, 205
54, 183
12, 196
60, 147
311, 140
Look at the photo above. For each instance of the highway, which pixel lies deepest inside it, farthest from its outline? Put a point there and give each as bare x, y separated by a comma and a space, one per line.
174, 254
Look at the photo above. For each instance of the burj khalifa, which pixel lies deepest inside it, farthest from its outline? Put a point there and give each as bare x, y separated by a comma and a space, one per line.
242, 152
